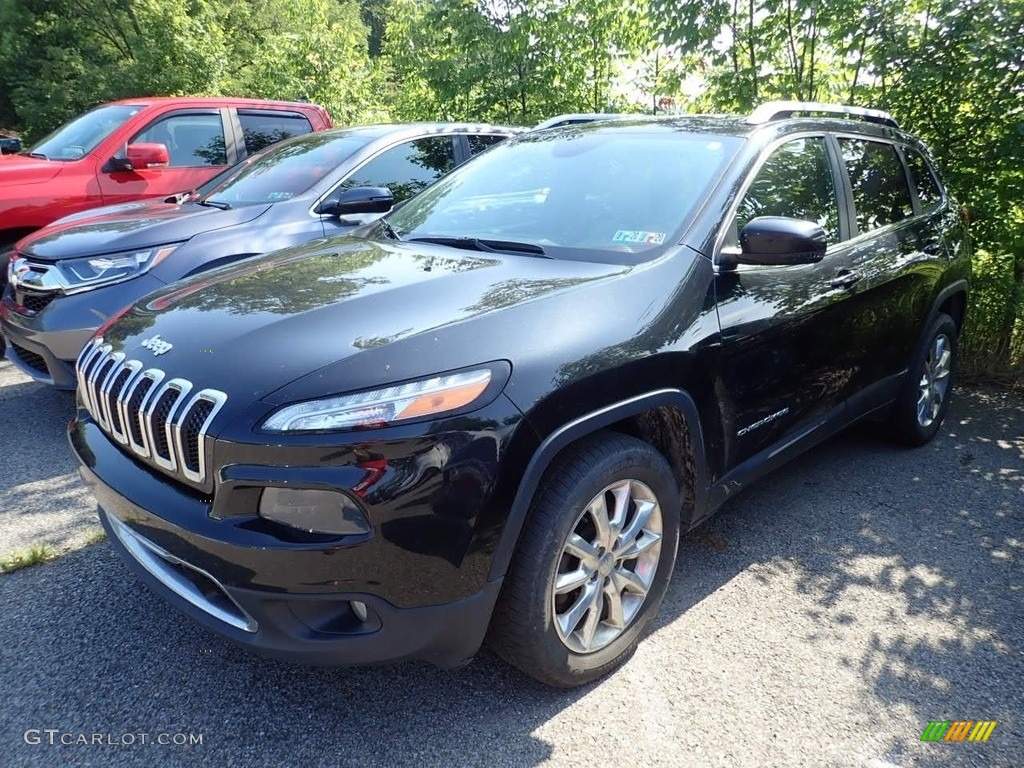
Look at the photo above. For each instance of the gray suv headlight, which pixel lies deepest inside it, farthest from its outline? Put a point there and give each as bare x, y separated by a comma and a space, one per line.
81, 274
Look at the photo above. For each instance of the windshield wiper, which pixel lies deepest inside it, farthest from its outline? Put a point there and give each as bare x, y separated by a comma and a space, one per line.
389, 230
214, 204
40, 155
486, 245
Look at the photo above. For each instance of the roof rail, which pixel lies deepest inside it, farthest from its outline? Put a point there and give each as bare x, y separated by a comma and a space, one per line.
780, 110
583, 117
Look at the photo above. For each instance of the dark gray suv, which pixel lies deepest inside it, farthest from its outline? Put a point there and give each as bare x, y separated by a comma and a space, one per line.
69, 277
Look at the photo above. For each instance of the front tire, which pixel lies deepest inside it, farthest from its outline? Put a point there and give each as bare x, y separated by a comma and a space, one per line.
593, 563
922, 405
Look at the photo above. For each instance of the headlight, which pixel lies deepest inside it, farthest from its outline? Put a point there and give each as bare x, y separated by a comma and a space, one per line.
427, 397
95, 270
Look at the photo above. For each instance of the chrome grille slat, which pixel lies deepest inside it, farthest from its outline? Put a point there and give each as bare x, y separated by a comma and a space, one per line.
89, 351
217, 400
135, 415
159, 419
104, 386
87, 371
95, 379
160, 426
125, 372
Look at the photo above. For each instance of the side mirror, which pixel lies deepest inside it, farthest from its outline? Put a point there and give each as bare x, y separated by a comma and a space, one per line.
10, 146
142, 156
780, 240
358, 200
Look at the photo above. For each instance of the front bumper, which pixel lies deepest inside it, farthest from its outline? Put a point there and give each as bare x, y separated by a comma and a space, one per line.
31, 352
291, 599
45, 344
309, 629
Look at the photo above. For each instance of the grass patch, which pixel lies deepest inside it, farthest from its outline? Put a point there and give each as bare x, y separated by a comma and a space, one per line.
95, 537
37, 553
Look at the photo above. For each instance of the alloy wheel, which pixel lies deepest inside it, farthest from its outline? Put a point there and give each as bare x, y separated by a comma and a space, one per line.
607, 565
934, 383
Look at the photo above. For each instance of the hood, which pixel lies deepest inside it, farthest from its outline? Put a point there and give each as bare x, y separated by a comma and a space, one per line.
18, 170
134, 208
254, 327
126, 228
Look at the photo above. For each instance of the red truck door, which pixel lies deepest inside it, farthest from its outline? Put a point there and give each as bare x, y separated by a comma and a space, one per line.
196, 148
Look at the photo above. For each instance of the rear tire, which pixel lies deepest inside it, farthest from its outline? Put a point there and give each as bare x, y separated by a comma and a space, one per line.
918, 413
593, 562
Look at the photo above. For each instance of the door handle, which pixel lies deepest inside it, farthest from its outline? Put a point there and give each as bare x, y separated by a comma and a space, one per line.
845, 278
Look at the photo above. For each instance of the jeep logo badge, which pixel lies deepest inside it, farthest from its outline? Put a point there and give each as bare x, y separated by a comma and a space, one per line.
157, 345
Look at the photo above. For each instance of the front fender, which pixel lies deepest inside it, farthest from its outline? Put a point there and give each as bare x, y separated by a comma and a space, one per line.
587, 424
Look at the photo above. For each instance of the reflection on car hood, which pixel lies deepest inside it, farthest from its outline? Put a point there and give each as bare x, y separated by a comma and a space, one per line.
126, 229
135, 207
262, 323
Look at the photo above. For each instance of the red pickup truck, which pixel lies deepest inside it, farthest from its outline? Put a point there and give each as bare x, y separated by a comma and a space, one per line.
138, 148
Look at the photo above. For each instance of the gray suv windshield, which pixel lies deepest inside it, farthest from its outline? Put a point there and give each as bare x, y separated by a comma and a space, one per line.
284, 171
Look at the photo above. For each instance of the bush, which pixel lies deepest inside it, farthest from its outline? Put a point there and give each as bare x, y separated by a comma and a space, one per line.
993, 343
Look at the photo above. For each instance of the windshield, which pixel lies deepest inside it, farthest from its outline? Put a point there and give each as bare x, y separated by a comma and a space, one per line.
284, 170
576, 192
82, 135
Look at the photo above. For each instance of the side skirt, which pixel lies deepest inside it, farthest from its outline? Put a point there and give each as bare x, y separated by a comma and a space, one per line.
872, 400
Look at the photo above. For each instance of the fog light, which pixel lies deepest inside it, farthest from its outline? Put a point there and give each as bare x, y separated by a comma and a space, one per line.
359, 609
314, 511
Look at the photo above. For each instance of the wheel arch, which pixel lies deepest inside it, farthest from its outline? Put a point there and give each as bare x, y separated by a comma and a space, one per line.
666, 418
951, 300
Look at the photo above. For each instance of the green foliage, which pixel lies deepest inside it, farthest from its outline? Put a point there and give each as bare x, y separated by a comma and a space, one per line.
510, 61
60, 57
311, 49
993, 344
951, 71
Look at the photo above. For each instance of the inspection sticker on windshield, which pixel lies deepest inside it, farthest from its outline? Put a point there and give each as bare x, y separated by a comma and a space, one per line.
638, 236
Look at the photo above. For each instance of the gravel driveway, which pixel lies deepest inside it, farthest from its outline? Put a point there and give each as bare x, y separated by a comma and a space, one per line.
823, 618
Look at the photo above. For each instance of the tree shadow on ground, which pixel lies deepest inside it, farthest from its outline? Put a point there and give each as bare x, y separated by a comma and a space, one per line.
895, 570
910, 561
41, 498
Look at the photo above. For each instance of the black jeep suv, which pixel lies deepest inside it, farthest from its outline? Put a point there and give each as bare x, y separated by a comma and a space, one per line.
495, 412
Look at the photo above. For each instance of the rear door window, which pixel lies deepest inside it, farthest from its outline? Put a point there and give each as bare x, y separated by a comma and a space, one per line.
929, 194
479, 142
406, 168
878, 182
261, 129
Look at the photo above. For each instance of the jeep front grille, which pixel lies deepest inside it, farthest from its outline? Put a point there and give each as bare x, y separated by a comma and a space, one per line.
164, 421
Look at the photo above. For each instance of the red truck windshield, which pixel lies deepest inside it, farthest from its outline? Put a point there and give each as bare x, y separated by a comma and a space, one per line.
81, 136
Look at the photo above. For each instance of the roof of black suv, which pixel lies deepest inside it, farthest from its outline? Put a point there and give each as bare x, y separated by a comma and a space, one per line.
770, 113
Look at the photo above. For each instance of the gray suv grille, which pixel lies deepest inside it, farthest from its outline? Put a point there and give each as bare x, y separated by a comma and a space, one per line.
160, 419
